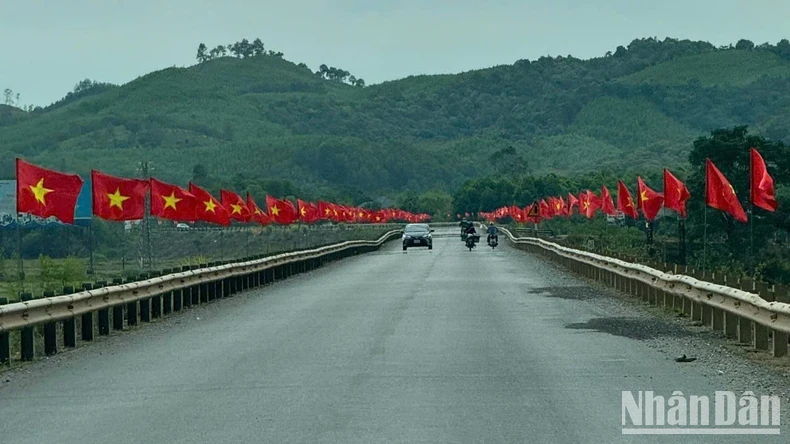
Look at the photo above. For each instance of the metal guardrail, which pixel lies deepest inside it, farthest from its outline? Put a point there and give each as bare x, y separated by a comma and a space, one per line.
739, 314
155, 297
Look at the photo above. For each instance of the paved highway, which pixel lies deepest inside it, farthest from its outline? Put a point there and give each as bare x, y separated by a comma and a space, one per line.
446, 346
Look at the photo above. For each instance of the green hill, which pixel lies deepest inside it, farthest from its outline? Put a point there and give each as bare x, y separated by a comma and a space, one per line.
261, 121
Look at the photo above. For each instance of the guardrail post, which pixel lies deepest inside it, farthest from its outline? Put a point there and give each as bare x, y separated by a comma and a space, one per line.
5, 341
760, 337
780, 344
87, 318
167, 298
718, 319
203, 288
745, 327
117, 310
707, 315
50, 332
195, 289
131, 310
69, 325
28, 351
145, 303
103, 314
730, 324
186, 293
156, 300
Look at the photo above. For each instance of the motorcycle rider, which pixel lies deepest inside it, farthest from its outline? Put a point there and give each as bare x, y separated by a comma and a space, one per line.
470, 229
492, 232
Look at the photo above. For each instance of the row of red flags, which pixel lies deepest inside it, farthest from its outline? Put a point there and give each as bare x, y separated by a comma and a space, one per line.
719, 194
45, 193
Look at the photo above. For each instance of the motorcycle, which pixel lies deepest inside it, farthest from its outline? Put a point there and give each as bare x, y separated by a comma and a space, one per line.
471, 241
493, 241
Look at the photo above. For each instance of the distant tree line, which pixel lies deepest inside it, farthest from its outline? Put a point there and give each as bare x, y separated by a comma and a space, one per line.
242, 50
338, 75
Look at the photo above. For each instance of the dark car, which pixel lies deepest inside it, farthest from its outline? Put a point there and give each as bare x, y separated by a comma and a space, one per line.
417, 235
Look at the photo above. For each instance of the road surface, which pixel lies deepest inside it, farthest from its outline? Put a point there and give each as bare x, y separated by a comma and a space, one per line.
446, 346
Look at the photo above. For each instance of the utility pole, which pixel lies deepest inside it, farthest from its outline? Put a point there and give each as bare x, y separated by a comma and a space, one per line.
145, 169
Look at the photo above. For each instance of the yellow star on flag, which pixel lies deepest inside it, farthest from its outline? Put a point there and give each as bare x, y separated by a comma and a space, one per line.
116, 199
39, 191
643, 196
274, 211
258, 211
327, 211
303, 211
210, 205
732, 190
586, 205
630, 202
236, 209
171, 200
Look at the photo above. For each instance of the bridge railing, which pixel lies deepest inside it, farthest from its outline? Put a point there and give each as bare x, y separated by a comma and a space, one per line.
740, 315
158, 295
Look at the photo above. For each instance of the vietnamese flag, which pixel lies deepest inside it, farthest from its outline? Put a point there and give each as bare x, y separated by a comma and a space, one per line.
720, 194
257, 215
172, 202
762, 184
237, 207
325, 210
675, 193
593, 203
625, 203
44, 193
115, 198
308, 213
281, 211
544, 209
572, 202
649, 201
207, 208
607, 204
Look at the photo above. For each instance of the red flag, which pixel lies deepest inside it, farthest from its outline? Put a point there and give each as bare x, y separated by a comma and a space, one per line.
172, 202
308, 213
544, 209
115, 198
257, 215
607, 204
237, 207
592, 204
649, 201
675, 193
207, 208
572, 202
720, 194
763, 194
625, 203
325, 210
281, 211
44, 193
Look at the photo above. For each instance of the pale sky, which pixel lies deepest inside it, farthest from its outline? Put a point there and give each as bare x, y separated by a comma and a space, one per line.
49, 45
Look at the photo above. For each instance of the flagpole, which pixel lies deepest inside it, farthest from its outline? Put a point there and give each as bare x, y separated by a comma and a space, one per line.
705, 232
20, 262
751, 217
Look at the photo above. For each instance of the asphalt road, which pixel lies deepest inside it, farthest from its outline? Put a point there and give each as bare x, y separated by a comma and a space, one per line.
446, 346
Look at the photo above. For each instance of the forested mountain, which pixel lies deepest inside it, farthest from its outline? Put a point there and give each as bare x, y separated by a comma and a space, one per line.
242, 120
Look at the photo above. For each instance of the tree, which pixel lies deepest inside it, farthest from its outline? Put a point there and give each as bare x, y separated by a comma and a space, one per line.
744, 44
360, 83
257, 47
245, 48
201, 53
9, 96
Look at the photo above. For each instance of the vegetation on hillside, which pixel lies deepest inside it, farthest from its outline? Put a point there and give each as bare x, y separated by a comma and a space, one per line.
255, 117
